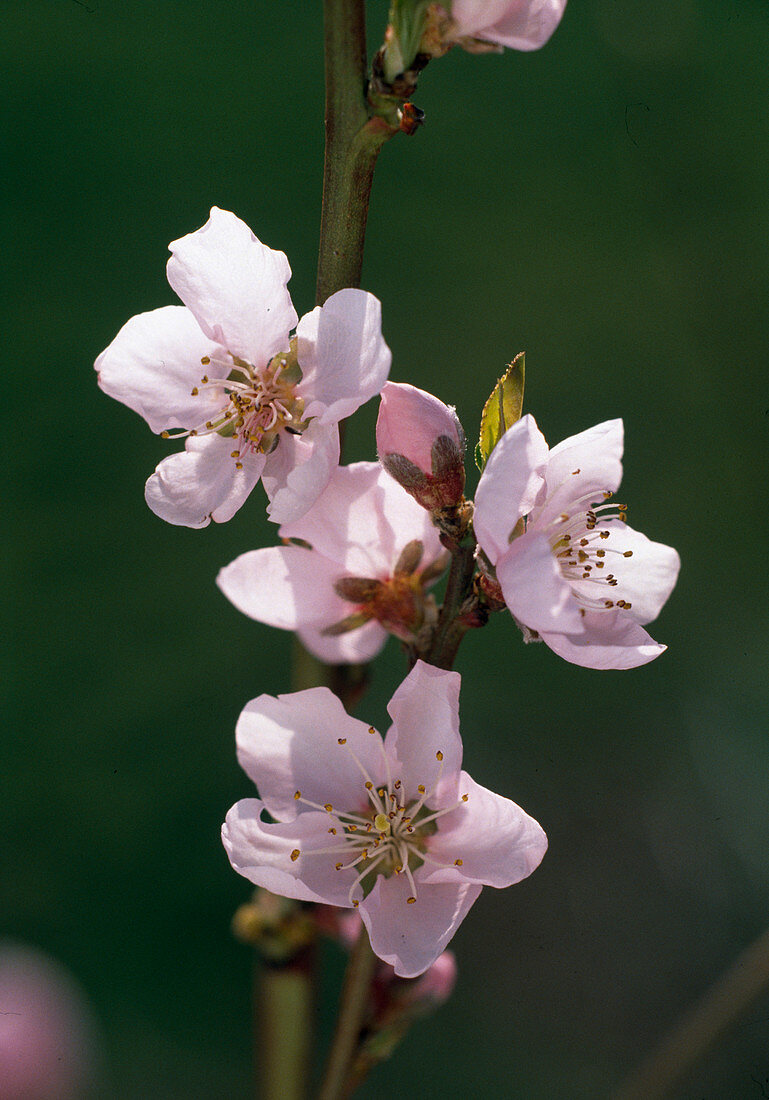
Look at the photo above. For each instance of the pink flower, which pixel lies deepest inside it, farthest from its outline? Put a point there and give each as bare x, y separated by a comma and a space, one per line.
421, 444
518, 24
392, 828
571, 571
47, 1039
374, 553
250, 401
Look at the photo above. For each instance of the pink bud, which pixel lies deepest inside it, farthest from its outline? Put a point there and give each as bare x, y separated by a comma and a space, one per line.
435, 986
421, 444
46, 1045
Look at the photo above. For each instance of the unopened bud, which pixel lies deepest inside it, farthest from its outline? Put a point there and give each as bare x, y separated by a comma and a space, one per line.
421, 444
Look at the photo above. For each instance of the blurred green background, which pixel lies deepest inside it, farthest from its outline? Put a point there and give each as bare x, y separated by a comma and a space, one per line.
602, 204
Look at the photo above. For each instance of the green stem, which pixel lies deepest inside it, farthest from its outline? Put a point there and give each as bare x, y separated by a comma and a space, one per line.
285, 1000
352, 145
715, 1013
353, 1005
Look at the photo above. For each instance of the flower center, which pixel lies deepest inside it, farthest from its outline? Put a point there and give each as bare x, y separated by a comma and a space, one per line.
389, 835
257, 402
585, 550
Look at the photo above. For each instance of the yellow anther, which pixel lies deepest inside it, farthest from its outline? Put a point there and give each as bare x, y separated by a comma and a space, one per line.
165, 435
204, 379
465, 797
369, 785
341, 740
338, 866
234, 454
194, 391
411, 900
295, 855
355, 903
328, 807
574, 472
458, 862
333, 832
628, 554
205, 360
238, 465
371, 729
439, 755
297, 795
421, 788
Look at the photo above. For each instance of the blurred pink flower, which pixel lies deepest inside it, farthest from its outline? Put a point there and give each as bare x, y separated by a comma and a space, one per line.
518, 24
570, 569
250, 402
420, 442
47, 1050
393, 828
374, 553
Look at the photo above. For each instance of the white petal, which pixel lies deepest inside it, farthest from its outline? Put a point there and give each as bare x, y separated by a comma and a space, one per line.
342, 353
611, 639
298, 470
291, 744
202, 483
534, 589
517, 24
644, 580
284, 586
363, 520
235, 286
355, 647
425, 714
411, 937
509, 485
261, 852
153, 364
498, 843
584, 465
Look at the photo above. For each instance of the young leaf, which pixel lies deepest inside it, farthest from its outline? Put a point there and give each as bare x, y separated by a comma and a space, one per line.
502, 409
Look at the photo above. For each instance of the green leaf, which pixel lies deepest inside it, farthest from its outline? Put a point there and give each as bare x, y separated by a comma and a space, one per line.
503, 408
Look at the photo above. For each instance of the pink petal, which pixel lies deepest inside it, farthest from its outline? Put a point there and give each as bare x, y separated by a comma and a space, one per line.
425, 714
644, 580
235, 286
611, 639
409, 422
363, 520
298, 470
342, 353
261, 852
498, 843
284, 586
509, 485
582, 466
292, 743
518, 24
534, 589
411, 937
356, 647
153, 364
202, 483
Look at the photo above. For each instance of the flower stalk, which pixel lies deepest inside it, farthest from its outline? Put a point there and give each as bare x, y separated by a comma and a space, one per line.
352, 1011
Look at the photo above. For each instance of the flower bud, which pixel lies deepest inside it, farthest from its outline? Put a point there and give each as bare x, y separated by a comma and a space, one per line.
421, 444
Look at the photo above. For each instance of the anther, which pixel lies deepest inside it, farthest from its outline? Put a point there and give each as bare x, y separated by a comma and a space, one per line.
605, 534
295, 855
238, 465
333, 832
234, 454
371, 729
439, 755
627, 554
194, 391
205, 360
355, 903
574, 472
328, 807
465, 797
338, 866
204, 379
421, 788
369, 785
297, 795
458, 862
165, 435
341, 740
411, 900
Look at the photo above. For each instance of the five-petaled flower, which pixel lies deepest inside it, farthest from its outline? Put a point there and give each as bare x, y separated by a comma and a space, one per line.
250, 401
373, 553
393, 828
570, 569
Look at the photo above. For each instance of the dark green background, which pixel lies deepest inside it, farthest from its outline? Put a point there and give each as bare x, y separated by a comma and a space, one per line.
603, 204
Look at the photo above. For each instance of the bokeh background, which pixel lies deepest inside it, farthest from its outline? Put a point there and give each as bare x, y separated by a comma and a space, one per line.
602, 204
